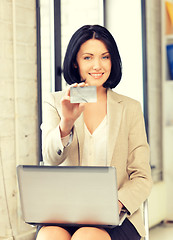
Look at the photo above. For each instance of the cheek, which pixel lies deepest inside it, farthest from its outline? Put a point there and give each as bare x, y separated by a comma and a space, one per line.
82, 72
109, 66
83, 68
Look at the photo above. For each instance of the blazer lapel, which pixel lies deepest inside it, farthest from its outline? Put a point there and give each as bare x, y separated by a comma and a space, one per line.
114, 111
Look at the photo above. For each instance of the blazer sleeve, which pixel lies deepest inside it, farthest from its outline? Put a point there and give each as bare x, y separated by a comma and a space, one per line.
52, 149
138, 185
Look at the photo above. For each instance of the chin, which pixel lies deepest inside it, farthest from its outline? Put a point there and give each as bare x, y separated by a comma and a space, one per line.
96, 83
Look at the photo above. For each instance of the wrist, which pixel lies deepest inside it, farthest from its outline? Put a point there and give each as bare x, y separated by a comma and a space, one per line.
66, 141
65, 127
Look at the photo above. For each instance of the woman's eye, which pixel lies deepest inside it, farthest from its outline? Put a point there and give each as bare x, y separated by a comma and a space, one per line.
87, 58
105, 57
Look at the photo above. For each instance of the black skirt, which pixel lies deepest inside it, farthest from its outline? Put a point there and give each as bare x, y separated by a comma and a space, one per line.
124, 232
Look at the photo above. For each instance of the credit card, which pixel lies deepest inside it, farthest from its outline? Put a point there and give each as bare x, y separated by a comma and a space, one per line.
83, 94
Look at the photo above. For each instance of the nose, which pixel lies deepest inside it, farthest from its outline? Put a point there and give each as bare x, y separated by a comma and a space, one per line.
96, 64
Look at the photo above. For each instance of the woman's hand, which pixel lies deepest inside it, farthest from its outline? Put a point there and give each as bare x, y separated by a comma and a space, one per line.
120, 206
70, 111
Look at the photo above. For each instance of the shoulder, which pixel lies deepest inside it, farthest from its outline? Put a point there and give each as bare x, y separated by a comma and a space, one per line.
54, 98
122, 99
129, 106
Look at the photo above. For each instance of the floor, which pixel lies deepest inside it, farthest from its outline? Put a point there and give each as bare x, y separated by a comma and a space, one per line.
163, 231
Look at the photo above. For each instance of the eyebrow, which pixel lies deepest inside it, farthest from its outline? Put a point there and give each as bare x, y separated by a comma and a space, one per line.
93, 54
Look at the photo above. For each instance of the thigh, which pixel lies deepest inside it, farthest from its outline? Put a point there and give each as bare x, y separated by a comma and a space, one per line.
53, 233
124, 232
70, 230
91, 233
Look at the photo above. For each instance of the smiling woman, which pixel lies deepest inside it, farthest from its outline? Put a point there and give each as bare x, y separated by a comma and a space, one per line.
94, 62
92, 44
109, 132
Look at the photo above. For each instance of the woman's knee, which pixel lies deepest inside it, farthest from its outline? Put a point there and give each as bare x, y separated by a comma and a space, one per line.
53, 233
90, 233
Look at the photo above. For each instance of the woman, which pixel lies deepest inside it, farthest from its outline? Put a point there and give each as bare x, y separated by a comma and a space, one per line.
110, 132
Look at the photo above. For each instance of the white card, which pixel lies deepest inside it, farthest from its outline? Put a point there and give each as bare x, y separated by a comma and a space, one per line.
83, 94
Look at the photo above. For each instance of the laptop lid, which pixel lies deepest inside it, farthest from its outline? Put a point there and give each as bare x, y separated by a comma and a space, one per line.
69, 195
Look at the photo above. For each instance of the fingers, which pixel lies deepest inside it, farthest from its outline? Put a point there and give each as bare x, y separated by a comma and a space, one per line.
66, 98
70, 111
82, 84
82, 106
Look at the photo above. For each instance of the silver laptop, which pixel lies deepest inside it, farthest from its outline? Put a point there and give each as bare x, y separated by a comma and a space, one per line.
73, 196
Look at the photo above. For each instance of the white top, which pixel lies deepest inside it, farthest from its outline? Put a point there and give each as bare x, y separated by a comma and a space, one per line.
95, 146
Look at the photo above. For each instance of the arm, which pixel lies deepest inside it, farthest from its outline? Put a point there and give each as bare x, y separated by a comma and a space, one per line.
52, 148
59, 116
134, 191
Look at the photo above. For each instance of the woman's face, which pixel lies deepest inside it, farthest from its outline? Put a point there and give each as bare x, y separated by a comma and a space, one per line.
94, 62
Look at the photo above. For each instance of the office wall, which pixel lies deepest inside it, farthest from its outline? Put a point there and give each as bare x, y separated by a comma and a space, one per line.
84, 12
153, 21
74, 14
126, 27
18, 108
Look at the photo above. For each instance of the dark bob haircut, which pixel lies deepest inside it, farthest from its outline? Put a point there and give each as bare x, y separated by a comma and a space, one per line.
71, 73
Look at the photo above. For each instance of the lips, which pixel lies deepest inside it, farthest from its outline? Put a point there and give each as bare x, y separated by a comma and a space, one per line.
96, 75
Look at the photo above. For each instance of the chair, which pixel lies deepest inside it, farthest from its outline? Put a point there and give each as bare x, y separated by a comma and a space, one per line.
145, 216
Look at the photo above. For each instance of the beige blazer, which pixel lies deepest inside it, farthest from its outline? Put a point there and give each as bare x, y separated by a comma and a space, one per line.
128, 149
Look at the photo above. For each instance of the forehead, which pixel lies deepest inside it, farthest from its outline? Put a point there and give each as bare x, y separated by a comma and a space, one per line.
93, 46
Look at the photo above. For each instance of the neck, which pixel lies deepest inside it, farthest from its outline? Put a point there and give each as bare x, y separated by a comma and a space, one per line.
101, 92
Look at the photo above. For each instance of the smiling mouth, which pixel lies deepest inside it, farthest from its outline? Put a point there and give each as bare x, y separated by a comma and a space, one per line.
96, 75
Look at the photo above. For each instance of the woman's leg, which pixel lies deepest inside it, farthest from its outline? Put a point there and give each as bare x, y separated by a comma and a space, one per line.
124, 232
90, 233
53, 233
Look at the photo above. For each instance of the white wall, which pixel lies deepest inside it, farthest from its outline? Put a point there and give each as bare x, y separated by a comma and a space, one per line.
18, 104
123, 19
74, 14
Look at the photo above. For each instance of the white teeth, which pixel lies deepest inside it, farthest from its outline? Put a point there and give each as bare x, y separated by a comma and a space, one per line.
96, 75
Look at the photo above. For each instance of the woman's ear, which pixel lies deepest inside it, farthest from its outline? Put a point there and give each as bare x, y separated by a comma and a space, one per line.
75, 65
